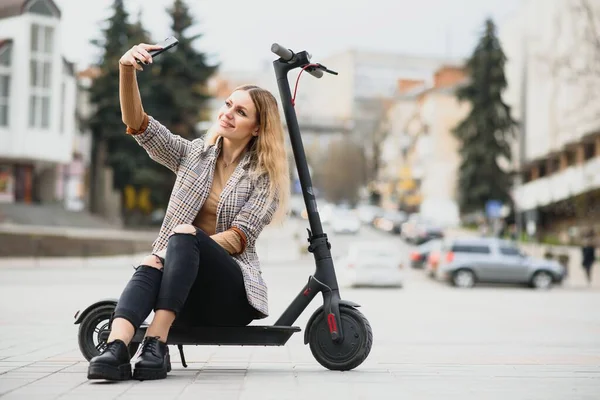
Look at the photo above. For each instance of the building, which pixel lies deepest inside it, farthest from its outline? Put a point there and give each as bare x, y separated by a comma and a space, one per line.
354, 104
41, 154
421, 157
554, 78
367, 79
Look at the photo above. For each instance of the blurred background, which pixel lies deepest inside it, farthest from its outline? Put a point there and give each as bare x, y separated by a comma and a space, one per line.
456, 161
464, 119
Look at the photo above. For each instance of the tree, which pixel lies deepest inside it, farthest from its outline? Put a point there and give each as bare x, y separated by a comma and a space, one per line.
130, 164
141, 180
172, 91
179, 93
337, 175
371, 130
175, 95
126, 157
485, 134
105, 122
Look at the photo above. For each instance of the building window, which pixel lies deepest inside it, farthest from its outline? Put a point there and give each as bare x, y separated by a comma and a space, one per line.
570, 154
589, 151
42, 8
5, 55
542, 170
554, 165
4, 96
40, 75
62, 106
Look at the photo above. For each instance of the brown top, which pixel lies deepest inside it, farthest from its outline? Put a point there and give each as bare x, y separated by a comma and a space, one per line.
136, 119
207, 217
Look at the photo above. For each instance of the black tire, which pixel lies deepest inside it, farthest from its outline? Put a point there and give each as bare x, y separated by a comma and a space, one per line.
464, 278
94, 323
542, 280
349, 354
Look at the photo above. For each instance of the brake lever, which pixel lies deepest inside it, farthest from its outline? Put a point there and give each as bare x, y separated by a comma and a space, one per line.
324, 68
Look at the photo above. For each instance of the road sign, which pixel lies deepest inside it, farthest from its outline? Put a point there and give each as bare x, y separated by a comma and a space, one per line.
493, 209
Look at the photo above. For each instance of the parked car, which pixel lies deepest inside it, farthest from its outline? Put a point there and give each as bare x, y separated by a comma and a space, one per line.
345, 221
326, 211
419, 256
390, 221
367, 213
465, 262
408, 228
371, 264
426, 231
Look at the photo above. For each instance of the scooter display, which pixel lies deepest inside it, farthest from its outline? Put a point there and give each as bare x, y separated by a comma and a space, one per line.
339, 336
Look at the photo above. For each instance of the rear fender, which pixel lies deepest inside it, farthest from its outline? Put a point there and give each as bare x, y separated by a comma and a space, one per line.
79, 316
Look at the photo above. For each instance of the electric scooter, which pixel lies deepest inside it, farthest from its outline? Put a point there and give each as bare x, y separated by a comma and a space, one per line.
339, 336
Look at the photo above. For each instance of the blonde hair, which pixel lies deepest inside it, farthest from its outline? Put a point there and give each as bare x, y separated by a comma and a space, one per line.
267, 148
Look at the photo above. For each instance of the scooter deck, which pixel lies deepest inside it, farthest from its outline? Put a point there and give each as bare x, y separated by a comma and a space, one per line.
224, 336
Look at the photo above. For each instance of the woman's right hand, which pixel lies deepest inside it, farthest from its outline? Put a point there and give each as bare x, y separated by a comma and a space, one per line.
138, 52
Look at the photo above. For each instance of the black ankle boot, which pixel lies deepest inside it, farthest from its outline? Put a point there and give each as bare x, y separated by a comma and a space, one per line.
112, 364
154, 361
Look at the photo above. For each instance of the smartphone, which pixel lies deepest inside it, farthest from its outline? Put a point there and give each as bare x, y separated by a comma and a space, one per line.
166, 44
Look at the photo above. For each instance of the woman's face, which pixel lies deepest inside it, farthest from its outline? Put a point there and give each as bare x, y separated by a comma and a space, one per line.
237, 117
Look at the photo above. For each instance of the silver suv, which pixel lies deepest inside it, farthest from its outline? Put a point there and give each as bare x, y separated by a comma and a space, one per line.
466, 261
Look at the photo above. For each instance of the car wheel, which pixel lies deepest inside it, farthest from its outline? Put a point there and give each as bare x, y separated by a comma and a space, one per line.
463, 278
542, 280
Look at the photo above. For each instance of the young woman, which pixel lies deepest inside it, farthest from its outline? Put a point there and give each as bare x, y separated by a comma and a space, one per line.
204, 269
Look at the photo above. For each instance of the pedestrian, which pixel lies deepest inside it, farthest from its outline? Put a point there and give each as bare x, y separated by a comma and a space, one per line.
203, 269
484, 229
513, 232
588, 256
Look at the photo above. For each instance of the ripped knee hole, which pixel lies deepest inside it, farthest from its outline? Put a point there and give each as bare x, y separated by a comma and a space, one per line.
152, 261
185, 228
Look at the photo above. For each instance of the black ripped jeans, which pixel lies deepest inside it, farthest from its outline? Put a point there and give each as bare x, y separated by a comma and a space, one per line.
200, 282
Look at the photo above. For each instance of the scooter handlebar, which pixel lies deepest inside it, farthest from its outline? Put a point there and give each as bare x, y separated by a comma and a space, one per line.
286, 55
283, 52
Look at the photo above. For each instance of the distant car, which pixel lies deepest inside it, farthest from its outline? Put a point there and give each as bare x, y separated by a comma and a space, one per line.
325, 210
467, 261
426, 231
345, 221
419, 256
410, 227
367, 213
296, 206
371, 264
391, 221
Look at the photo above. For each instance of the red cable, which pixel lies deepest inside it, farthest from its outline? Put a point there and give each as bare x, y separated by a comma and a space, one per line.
298, 80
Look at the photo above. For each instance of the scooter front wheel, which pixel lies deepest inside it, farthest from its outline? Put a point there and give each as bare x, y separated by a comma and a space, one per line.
91, 331
351, 351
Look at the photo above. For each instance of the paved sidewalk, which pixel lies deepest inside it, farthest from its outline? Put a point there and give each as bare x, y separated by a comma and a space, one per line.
431, 341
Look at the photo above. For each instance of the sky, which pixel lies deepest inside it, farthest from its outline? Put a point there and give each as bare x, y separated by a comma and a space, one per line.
238, 33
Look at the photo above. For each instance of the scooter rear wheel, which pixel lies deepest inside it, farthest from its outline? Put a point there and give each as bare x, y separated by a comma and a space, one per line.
90, 331
352, 351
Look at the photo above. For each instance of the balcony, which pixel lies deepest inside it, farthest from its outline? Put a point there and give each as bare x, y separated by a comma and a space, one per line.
559, 186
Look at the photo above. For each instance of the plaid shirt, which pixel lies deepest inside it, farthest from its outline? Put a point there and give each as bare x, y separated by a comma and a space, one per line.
243, 203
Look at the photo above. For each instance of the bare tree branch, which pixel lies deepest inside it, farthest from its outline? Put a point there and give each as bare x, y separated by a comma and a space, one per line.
591, 20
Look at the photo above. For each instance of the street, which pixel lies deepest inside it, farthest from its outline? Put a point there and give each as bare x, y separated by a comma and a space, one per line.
431, 340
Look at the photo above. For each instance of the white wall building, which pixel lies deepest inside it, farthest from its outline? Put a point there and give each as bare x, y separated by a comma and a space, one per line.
553, 73
365, 78
354, 103
420, 157
38, 95
540, 41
